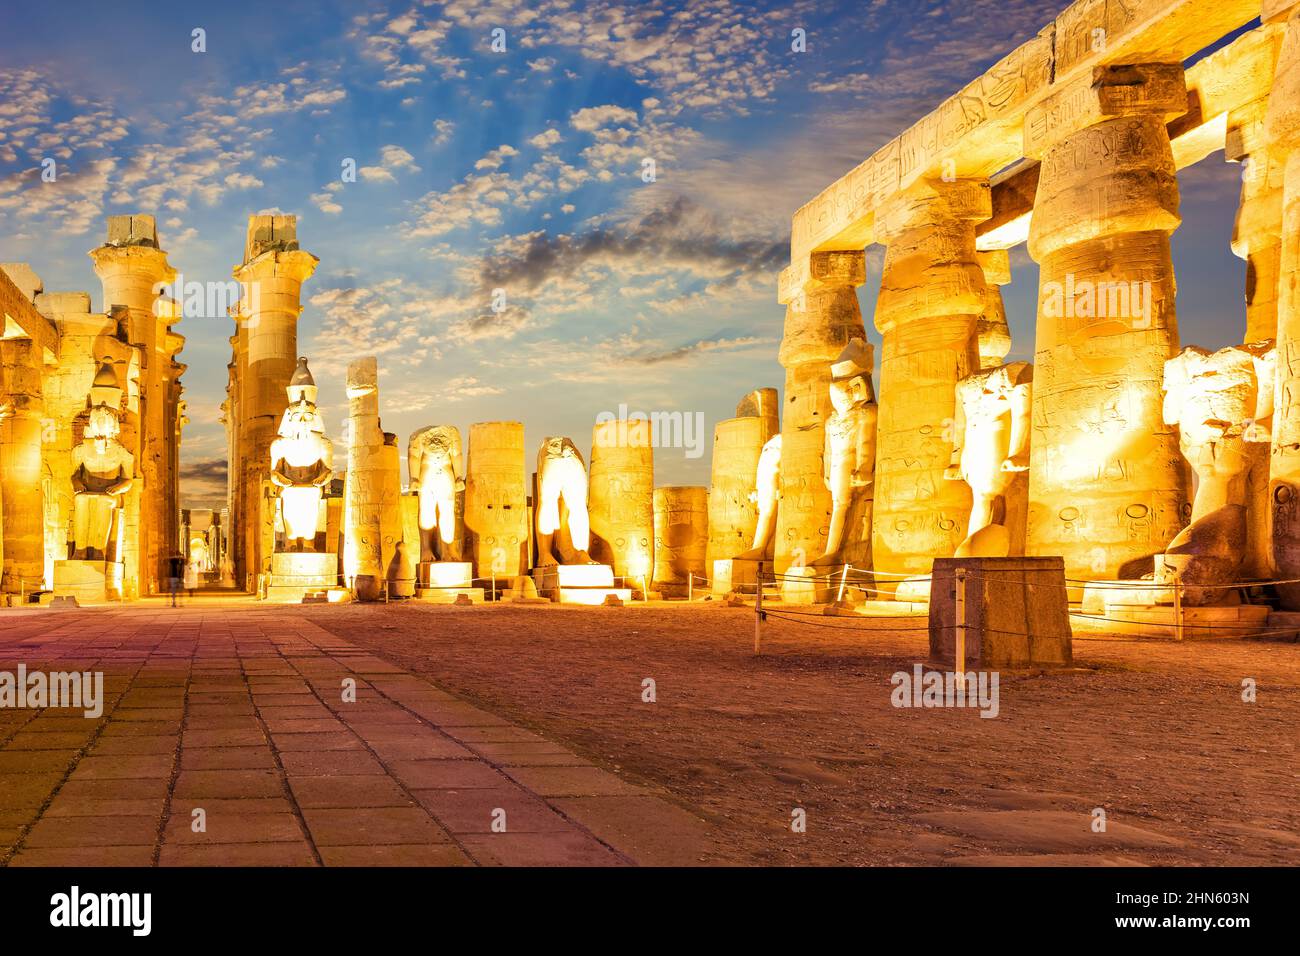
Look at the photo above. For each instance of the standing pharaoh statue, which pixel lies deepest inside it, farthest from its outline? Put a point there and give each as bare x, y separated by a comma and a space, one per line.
849, 458
435, 467
102, 469
563, 524
990, 452
302, 462
1222, 404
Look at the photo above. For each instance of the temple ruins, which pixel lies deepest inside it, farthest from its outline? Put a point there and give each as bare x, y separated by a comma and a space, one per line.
1151, 469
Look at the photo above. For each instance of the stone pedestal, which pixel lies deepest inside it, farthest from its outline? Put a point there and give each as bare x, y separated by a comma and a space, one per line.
932, 293
804, 586
735, 574
294, 575
90, 582
578, 583
1106, 484
1016, 613
441, 582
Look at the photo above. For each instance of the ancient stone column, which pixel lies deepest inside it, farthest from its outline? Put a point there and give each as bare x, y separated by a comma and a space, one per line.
496, 500
681, 538
21, 413
272, 274
822, 315
1106, 484
1283, 131
362, 491
620, 499
764, 403
134, 271
992, 333
932, 293
733, 514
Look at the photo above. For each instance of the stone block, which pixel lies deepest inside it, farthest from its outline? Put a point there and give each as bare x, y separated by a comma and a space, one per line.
1016, 613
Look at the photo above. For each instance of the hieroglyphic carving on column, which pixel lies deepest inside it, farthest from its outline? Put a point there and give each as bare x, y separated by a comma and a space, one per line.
496, 499
21, 414
1283, 130
822, 316
681, 538
1107, 486
733, 508
931, 294
622, 496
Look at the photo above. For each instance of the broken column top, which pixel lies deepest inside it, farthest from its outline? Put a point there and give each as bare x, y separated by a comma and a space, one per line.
134, 230
270, 232
363, 376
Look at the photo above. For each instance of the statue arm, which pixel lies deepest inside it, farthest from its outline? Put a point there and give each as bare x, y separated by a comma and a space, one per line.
79, 479
122, 485
953, 471
865, 472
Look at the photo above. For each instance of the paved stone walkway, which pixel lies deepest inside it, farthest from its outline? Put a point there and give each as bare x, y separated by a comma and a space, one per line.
240, 713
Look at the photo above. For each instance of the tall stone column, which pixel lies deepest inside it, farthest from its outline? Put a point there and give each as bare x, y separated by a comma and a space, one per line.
1283, 131
22, 409
681, 538
992, 333
1107, 481
496, 499
620, 498
272, 274
822, 315
932, 294
134, 270
362, 492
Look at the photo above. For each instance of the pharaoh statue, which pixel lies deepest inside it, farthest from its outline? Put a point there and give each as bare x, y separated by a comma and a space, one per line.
302, 462
563, 525
849, 458
435, 466
767, 495
1221, 403
102, 469
990, 452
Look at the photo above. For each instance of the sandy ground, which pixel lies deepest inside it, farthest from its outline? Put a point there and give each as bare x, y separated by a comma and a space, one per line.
1154, 733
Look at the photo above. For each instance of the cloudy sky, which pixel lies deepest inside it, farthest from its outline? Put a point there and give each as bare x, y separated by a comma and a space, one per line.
519, 169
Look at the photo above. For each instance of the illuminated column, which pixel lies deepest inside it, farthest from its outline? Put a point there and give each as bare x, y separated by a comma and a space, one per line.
681, 538
822, 315
22, 409
620, 497
362, 492
1106, 480
272, 274
134, 271
932, 294
733, 514
992, 334
496, 499
1283, 130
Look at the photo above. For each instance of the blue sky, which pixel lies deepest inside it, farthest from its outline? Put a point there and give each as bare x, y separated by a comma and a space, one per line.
518, 170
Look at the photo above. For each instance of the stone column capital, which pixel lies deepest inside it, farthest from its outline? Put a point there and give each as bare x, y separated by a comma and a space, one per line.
1109, 92
149, 261
821, 270
295, 264
933, 202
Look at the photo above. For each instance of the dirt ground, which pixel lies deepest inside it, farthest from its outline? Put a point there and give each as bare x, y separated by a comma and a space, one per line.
1154, 733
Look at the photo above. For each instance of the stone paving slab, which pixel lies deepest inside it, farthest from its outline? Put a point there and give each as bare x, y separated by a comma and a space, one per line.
228, 737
